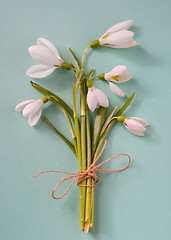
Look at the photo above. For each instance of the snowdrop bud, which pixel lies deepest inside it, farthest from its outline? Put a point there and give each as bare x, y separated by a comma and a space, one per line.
121, 119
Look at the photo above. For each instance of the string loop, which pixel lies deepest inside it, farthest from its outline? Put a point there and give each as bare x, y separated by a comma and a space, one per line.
85, 174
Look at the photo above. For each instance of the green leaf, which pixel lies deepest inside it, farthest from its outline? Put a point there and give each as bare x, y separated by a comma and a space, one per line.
60, 106
97, 127
76, 85
70, 145
124, 107
108, 120
47, 92
90, 73
75, 58
71, 64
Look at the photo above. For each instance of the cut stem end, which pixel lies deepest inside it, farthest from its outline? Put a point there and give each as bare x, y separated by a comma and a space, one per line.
87, 227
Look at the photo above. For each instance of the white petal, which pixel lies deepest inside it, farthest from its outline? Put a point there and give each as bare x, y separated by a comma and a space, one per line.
127, 45
91, 100
117, 38
44, 56
48, 44
22, 105
134, 125
33, 119
101, 97
118, 70
119, 26
40, 71
32, 108
140, 120
136, 132
126, 76
116, 90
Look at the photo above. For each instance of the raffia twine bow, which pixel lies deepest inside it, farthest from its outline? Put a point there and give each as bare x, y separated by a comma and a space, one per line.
85, 174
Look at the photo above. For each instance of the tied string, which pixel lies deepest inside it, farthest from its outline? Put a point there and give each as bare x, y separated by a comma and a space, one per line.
85, 174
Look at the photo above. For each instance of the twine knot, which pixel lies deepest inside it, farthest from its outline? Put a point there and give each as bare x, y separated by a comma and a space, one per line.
85, 174
89, 173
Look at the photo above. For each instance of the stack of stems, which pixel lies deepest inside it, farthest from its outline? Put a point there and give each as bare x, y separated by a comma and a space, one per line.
85, 152
86, 193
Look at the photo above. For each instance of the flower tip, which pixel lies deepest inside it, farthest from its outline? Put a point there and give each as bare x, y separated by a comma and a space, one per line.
27, 73
136, 43
122, 95
30, 49
40, 39
31, 124
17, 109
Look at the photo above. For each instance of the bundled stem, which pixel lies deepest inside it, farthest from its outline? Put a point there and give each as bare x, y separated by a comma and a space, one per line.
83, 147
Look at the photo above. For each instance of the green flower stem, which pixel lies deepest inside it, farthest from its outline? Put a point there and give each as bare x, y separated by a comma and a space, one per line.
83, 148
82, 63
92, 204
92, 189
88, 192
76, 121
78, 136
94, 77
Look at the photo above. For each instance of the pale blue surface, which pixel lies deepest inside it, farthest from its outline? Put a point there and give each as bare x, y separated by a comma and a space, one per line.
134, 204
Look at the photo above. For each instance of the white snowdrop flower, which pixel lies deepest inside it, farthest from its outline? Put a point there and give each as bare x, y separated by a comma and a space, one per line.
118, 74
46, 54
117, 37
32, 109
134, 125
95, 97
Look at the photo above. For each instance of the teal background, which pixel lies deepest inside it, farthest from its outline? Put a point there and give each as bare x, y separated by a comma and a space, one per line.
133, 204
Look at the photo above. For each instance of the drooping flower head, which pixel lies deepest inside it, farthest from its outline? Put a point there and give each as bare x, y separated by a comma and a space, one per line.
46, 54
118, 74
95, 97
32, 109
117, 37
134, 124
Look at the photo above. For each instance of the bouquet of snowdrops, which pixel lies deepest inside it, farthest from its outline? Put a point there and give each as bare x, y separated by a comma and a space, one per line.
85, 146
